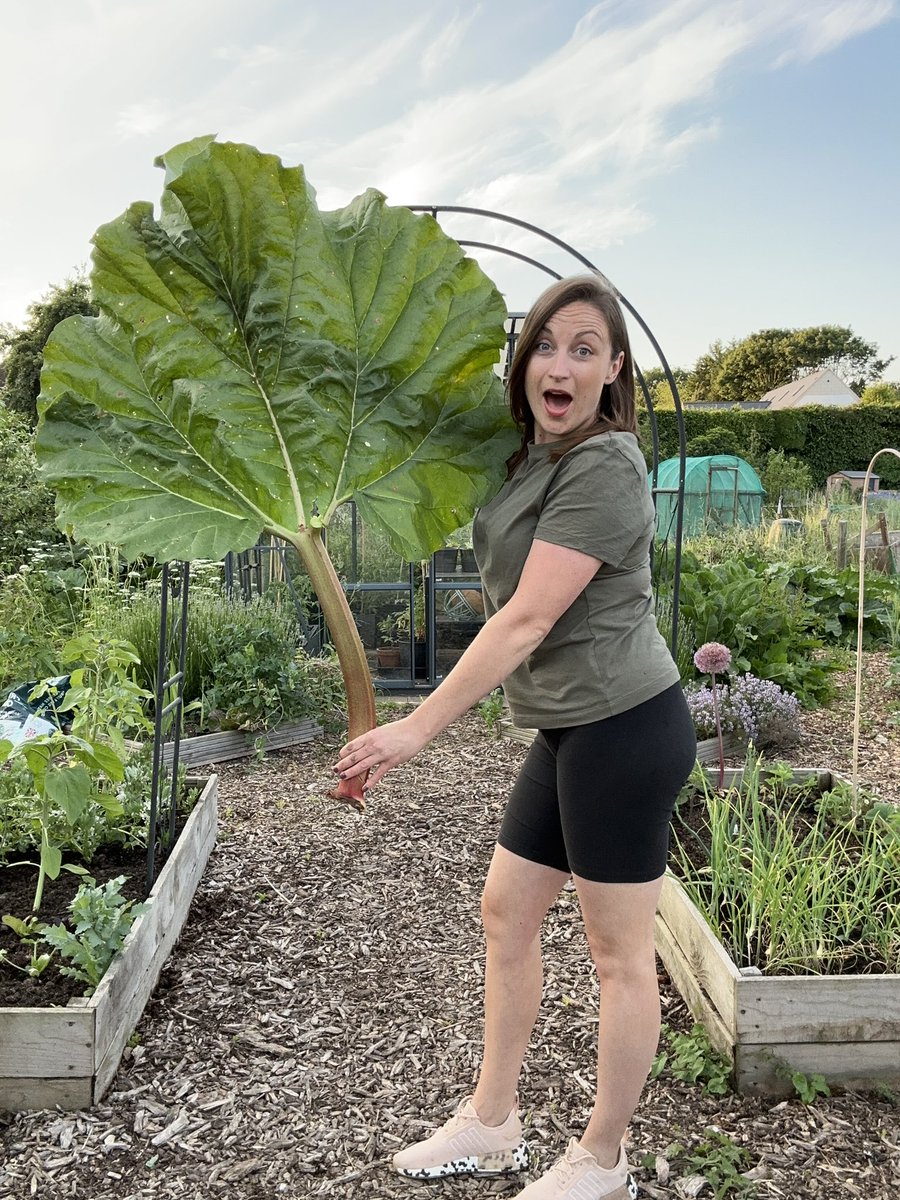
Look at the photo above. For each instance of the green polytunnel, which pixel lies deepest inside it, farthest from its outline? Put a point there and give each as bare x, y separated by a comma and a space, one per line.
720, 490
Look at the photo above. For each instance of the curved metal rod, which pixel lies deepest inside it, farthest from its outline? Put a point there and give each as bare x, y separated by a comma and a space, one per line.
434, 209
532, 262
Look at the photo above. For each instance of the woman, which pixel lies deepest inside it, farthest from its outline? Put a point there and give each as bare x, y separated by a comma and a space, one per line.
563, 551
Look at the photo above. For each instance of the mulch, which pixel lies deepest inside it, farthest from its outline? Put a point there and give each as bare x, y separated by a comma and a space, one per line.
323, 1007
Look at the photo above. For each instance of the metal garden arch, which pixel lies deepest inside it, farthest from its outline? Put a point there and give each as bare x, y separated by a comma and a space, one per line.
514, 318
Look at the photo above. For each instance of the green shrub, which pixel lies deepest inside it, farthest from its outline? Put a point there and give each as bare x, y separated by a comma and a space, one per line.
26, 504
244, 666
785, 477
825, 439
716, 441
770, 629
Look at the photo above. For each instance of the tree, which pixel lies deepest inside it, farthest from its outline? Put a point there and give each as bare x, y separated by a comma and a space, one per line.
26, 504
22, 349
748, 368
659, 389
883, 392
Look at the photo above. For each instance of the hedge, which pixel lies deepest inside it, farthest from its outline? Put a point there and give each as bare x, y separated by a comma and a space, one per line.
826, 439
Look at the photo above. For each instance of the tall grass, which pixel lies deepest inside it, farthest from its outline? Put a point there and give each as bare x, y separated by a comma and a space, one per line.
791, 886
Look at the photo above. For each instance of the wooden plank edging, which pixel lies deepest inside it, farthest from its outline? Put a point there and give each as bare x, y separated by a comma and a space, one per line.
237, 743
124, 990
66, 1057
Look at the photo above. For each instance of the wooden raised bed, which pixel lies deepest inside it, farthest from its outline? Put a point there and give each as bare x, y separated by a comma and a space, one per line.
236, 743
707, 749
845, 1027
68, 1056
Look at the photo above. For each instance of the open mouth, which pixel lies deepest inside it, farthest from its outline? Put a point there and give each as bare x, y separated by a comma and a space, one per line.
557, 402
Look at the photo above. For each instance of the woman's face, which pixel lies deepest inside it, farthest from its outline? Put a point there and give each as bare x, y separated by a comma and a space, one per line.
571, 362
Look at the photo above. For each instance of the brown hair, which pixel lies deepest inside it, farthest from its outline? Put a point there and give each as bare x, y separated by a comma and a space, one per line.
616, 408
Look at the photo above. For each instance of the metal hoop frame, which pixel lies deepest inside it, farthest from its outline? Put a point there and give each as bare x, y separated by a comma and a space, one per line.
504, 218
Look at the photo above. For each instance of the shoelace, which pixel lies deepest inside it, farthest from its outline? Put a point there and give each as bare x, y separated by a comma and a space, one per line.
564, 1167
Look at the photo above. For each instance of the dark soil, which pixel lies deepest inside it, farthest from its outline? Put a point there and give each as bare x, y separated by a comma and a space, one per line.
17, 884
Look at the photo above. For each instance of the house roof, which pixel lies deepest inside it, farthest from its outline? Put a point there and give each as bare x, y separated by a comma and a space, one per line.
820, 386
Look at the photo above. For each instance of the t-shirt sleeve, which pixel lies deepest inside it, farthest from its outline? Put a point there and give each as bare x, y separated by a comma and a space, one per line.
598, 503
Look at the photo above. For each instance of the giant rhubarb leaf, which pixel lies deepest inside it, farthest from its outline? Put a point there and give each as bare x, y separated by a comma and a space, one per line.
258, 362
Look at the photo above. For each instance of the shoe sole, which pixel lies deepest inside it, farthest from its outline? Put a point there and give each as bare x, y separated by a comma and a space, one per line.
478, 1166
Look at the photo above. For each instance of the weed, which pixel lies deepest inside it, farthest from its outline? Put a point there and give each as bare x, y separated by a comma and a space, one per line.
720, 1160
691, 1058
808, 1087
491, 710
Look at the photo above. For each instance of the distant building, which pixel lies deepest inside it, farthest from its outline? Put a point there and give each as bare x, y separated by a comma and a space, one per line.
821, 387
855, 480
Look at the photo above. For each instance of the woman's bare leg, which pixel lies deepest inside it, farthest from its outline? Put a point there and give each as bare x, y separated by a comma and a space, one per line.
517, 896
619, 921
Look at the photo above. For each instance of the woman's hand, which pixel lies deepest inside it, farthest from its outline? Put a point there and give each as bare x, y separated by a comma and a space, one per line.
379, 750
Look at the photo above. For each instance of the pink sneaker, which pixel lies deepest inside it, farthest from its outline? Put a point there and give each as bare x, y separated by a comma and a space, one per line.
578, 1176
464, 1146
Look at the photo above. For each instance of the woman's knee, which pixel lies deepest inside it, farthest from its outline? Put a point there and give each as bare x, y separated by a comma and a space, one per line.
626, 960
502, 918
516, 897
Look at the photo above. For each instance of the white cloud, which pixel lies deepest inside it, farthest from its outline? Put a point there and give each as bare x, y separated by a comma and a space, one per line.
568, 132
821, 28
255, 57
448, 42
140, 120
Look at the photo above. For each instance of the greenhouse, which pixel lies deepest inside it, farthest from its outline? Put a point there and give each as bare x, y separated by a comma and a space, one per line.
720, 490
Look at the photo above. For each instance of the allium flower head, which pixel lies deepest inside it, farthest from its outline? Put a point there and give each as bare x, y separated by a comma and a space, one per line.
712, 658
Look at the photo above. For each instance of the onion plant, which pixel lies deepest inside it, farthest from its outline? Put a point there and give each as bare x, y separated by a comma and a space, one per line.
791, 883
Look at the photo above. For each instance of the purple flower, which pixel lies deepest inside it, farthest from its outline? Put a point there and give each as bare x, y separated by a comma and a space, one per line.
751, 709
712, 658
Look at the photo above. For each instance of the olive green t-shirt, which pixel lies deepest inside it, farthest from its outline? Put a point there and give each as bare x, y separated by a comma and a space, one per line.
605, 654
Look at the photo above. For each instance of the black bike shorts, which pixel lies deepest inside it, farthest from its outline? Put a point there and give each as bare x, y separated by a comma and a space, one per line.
596, 800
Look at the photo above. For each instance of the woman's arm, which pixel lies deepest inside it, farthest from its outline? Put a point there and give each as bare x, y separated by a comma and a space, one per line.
552, 578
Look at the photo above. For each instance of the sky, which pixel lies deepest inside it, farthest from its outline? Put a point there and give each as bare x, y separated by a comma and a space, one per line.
730, 165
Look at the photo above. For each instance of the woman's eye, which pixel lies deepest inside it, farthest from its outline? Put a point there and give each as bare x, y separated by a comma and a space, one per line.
542, 346
583, 351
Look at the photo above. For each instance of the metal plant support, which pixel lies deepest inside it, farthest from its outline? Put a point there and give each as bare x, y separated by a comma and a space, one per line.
164, 778
514, 319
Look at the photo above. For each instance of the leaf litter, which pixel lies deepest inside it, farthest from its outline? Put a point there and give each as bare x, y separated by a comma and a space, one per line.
323, 1007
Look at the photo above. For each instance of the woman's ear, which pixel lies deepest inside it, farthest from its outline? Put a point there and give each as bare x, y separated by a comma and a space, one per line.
615, 366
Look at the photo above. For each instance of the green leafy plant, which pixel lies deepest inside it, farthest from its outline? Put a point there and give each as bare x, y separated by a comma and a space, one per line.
101, 919
254, 684
691, 1058
720, 1161
258, 362
26, 502
744, 856
808, 1087
490, 710
29, 933
60, 782
771, 630
323, 685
